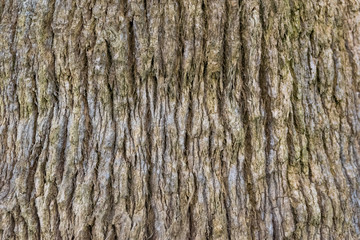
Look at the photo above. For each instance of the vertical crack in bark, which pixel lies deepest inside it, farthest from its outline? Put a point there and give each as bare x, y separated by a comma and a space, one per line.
12, 104
149, 204
354, 76
131, 58
247, 143
111, 89
222, 93
266, 100
248, 176
209, 227
248, 152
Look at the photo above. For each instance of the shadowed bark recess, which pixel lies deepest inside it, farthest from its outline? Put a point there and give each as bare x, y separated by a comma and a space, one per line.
191, 119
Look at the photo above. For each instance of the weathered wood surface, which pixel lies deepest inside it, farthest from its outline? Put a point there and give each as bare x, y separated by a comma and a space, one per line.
190, 119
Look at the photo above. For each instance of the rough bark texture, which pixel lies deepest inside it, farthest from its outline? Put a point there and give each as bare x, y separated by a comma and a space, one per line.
192, 119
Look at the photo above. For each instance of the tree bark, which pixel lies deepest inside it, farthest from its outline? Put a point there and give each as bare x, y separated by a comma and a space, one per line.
192, 119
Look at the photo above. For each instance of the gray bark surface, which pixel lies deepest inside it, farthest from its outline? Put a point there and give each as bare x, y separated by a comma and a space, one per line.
192, 119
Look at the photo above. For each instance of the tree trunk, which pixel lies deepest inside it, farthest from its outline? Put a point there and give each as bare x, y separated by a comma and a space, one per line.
193, 119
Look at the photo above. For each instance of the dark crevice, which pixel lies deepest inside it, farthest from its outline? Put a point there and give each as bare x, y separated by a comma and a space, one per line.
268, 119
130, 198
132, 59
111, 89
161, 37
150, 214
222, 115
88, 131
335, 80
192, 227
63, 138
189, 122
249, 184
